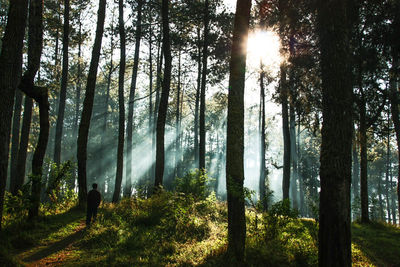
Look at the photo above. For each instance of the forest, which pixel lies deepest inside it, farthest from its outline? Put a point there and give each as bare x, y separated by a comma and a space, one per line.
217, 133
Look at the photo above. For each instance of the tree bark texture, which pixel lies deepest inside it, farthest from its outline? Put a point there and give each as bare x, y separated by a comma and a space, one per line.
293, 154
16, 120
23, 145
286, 134
262, 142
129, 127
334, 30
235, 134
162, 110
121, 104
197, 101
177, 121
35, 45
84, 125
10, 71
364, 164
202, 144
63, 89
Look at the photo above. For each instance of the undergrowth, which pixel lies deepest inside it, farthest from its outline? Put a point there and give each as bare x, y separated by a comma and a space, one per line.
182, 229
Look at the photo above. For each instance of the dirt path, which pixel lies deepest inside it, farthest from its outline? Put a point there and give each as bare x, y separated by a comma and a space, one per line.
55, 253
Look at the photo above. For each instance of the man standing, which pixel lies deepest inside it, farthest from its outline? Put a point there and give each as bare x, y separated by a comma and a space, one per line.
93, 202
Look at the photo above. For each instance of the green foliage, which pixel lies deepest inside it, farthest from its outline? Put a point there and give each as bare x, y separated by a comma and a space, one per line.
16, 206
278, 216
173, 229
195, 183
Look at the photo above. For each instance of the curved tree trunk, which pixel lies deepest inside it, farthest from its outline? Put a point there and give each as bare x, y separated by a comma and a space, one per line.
63, 90
10, 71
121, 105
35, 41
162, 110
235, 134
88, 106
334, 30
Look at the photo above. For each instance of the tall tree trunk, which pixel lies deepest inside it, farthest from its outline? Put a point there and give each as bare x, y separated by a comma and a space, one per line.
78, 80
104, 136
393, 200
356, 170
129, 126
151, 121
23, 145
202, 147
364, 167
88, 106
293, 153
10, 71
35, 44
387, 186
197, 101
286, 134
177, 120
235, 134
63, 90
394, 103
162, 110
334, 30
300, 177
160, 56
15, 138
121, 104
262, 180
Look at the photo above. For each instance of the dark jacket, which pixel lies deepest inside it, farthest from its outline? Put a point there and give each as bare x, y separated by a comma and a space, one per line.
93, 198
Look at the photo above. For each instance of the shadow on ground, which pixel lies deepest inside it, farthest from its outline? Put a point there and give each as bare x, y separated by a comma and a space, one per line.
56, 247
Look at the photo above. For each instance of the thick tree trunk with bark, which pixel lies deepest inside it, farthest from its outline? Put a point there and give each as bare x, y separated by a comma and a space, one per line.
10, 71
334, 30
15, 139
63, 90
23, 145
129, 126
121, 104
162, 110
286, 134
88, 106
202, 147
235, 134
35, 41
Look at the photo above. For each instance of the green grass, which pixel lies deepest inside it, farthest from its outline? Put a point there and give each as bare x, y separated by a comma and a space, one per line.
175, 230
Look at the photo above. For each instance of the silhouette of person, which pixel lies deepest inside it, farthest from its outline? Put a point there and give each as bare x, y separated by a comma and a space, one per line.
93, 202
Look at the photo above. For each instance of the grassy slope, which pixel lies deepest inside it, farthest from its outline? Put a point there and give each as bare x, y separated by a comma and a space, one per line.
171, 230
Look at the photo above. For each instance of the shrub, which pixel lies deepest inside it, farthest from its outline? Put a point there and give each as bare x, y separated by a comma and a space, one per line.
195, 182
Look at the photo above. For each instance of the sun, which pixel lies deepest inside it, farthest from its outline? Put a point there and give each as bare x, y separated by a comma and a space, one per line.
263, 46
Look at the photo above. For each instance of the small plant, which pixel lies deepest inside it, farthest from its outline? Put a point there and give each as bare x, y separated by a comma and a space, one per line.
195, 182
277, 217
